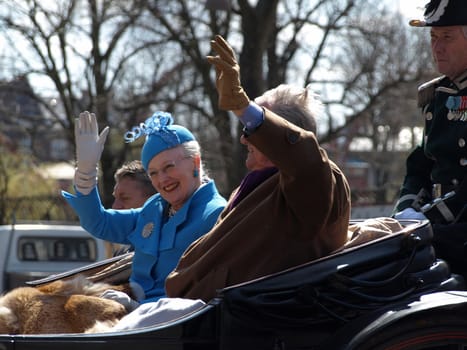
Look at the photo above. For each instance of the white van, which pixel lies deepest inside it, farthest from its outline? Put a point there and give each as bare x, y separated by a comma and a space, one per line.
33, 251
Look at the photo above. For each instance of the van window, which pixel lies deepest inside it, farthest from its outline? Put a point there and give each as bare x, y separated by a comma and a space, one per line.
56, 249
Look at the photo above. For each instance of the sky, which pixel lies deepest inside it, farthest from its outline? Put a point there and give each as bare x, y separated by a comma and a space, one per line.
412, 8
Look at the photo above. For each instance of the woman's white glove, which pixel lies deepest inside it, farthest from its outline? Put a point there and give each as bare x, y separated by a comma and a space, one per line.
410, 214
89, 147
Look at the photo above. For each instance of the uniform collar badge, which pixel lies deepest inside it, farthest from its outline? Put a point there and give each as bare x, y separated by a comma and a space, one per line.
147, 230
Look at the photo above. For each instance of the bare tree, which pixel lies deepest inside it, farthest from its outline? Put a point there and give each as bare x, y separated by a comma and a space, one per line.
351, 52
82, 49
123, 59
387, 62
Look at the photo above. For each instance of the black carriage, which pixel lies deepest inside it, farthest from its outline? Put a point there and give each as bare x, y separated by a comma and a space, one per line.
390, 293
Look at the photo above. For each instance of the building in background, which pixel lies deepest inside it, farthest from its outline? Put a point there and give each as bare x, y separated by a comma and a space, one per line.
25, 126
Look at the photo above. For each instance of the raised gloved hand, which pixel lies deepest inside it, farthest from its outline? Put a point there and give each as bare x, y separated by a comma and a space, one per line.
231, 94
410, 214
122, 298
89, 147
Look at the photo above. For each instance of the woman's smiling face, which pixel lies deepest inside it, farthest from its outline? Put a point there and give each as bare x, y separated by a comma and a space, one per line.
172, 173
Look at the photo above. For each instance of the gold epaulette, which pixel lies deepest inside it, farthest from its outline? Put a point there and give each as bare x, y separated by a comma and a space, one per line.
426, 91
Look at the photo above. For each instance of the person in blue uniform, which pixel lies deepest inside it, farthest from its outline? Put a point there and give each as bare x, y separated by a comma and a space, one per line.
435, 184
186, 205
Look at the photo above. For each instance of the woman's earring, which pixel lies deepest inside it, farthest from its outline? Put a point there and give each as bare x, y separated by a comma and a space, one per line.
195, 173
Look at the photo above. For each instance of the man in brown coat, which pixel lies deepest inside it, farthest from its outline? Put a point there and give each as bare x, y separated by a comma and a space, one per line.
292, 207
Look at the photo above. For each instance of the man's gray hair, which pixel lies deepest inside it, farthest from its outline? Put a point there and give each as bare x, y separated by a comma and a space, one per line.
299, 106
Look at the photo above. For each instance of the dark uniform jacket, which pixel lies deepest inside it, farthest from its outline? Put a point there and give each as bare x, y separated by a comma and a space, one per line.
298, 214
439, 165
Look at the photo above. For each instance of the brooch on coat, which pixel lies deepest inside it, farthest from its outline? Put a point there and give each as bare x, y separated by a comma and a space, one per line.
147, 230
457, 106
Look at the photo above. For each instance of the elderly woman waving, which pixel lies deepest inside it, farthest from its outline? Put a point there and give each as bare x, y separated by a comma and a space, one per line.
186, 206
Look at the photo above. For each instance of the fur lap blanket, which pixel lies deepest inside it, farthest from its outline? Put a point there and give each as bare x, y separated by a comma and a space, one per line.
70, 306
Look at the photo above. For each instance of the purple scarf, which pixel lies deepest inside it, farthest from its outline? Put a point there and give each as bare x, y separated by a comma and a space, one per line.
250, 182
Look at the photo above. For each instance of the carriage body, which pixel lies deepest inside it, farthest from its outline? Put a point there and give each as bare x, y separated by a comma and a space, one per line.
387, 291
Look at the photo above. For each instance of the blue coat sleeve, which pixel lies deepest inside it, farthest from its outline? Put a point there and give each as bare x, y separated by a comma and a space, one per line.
108, 224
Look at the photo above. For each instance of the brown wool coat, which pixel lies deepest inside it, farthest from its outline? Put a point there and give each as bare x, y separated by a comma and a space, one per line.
299, 214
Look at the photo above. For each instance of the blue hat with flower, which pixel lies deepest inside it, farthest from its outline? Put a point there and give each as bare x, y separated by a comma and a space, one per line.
161, 134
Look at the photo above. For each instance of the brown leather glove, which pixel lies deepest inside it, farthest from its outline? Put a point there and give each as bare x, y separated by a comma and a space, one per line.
231, 94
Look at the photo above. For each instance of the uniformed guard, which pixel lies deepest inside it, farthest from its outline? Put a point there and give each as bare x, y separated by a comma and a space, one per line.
435, 185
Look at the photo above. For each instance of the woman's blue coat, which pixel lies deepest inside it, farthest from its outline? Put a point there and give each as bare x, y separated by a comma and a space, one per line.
158, 242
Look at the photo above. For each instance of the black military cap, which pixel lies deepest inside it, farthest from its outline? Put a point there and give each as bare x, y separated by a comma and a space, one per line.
441, 13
